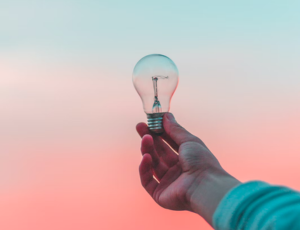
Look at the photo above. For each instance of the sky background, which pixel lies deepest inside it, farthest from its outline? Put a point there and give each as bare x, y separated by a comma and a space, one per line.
69, 153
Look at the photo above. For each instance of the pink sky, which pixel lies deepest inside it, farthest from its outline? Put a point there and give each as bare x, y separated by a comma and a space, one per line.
70, 152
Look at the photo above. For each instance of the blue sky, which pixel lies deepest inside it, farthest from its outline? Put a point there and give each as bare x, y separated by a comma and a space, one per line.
250, 44
247, 45
120, 27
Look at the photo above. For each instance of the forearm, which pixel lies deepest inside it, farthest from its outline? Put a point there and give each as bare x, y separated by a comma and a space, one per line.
212, 186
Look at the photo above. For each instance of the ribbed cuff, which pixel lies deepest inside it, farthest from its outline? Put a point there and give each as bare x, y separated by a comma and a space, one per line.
226, 216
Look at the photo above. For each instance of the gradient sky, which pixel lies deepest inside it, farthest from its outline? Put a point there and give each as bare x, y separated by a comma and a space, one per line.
69, 153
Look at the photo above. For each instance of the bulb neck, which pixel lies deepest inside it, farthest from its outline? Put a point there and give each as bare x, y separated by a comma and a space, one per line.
155, 122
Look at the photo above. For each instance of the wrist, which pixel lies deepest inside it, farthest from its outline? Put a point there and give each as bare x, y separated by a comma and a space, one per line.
210, 187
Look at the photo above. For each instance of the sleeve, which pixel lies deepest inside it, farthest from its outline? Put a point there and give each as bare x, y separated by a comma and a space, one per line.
258, 206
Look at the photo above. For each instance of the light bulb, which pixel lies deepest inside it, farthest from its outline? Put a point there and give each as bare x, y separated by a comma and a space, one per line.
155, 78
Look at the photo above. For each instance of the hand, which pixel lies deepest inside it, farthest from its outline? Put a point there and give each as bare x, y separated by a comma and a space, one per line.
186, 176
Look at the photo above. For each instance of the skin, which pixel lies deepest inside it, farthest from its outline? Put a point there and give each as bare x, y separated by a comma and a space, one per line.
187, 175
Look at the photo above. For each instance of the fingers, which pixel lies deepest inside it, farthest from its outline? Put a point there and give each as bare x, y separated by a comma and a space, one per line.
148, 148
163, 150
170, 141
142, 129
168, 155
177, 133
150, 184
172, 175
147, 180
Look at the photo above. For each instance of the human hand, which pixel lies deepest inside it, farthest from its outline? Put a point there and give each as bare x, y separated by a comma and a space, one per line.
187, 176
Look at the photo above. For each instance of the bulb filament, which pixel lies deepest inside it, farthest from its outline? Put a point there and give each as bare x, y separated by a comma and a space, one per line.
156, 106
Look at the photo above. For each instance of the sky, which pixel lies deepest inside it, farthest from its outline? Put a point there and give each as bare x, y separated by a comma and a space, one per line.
69, 153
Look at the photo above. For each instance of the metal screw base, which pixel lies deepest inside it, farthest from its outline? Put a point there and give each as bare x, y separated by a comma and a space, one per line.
155, 122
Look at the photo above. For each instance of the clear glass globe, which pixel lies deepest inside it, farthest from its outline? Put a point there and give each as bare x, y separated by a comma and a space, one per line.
155, 78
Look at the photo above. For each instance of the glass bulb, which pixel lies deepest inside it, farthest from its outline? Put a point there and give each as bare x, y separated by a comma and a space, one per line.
155, 78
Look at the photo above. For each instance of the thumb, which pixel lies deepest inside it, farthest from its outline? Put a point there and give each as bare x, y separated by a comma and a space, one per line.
177, 132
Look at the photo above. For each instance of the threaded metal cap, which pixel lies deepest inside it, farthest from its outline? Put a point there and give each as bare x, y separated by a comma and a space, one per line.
155, 122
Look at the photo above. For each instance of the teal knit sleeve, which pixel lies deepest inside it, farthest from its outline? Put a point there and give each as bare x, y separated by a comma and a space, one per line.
258, 206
